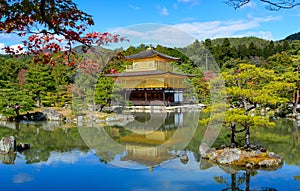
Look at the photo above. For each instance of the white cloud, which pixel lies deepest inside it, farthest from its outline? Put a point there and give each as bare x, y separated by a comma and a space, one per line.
185, 33
164, 11
260, 34
188, 1
16, 47
191, 2
134, 7
154, 34
219, 29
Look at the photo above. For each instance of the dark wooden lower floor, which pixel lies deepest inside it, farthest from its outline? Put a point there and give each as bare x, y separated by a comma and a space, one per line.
144, 97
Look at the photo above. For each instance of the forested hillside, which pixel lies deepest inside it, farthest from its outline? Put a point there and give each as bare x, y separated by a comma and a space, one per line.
295, 36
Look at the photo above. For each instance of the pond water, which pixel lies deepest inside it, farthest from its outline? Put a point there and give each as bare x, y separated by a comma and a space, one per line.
141, 154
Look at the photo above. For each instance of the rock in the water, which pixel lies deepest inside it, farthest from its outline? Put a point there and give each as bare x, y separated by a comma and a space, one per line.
249, 165
203, 149
7, 144
268, 163
275, 156
52, 115
184, 158
229, 155
38, 116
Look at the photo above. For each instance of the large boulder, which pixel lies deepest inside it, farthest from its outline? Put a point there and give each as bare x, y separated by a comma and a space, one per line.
7, 144
203, 149
229, 155
53, 115
37, 116
184, 158
268, 163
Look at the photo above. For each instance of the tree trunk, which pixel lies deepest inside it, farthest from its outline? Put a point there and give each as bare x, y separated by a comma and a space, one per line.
233, 131
233, 182
296, 101
38, 99
247, 145
247, 180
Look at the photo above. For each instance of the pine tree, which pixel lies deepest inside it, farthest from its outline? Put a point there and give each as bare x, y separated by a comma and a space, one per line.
252, 95
39, 81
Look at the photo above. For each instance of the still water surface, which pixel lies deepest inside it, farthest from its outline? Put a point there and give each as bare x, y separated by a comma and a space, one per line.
61, 160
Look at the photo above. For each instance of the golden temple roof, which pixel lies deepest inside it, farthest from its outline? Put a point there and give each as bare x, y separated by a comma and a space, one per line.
149, 53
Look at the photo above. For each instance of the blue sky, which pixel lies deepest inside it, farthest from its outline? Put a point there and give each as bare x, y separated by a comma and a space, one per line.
195, 16
198, 19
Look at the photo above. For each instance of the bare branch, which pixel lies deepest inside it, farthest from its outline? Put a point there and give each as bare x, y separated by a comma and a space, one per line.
236, 4
271, 5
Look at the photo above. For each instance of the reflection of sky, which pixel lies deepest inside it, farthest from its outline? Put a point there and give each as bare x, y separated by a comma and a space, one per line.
83, 171
66, 157
22, 178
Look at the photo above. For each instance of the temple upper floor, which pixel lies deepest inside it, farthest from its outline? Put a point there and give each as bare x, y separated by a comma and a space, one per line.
147, 65
150, 60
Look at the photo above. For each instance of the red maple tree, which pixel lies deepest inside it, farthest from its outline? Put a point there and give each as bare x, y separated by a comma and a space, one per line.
50, 26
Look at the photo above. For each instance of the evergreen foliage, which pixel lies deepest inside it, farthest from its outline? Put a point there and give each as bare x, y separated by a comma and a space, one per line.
295, 36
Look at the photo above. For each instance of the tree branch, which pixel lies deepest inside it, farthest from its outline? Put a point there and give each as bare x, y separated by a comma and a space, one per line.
43, 15
282, 4
250, 108
240, 131
273, 6
236, 4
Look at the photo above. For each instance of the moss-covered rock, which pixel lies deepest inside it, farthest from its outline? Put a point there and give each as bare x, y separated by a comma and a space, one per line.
252, 159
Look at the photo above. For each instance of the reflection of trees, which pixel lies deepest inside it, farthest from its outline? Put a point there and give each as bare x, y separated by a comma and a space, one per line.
283, 139
98, 140
44, 142
239, 180
8, 158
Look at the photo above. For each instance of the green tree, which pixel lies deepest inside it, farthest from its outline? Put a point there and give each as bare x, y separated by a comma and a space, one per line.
252, 95
104, 91
280, 62
39, 81
13, 99
253, 50
63, 78
269, 50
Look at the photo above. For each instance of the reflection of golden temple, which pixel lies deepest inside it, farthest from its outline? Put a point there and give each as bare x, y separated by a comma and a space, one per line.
151, 80
147, 145
153, 138
148, 156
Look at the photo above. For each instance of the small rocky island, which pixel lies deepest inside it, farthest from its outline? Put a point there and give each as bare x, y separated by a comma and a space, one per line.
252, 158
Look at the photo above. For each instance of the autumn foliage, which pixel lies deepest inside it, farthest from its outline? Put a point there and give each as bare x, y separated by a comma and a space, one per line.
50, 26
